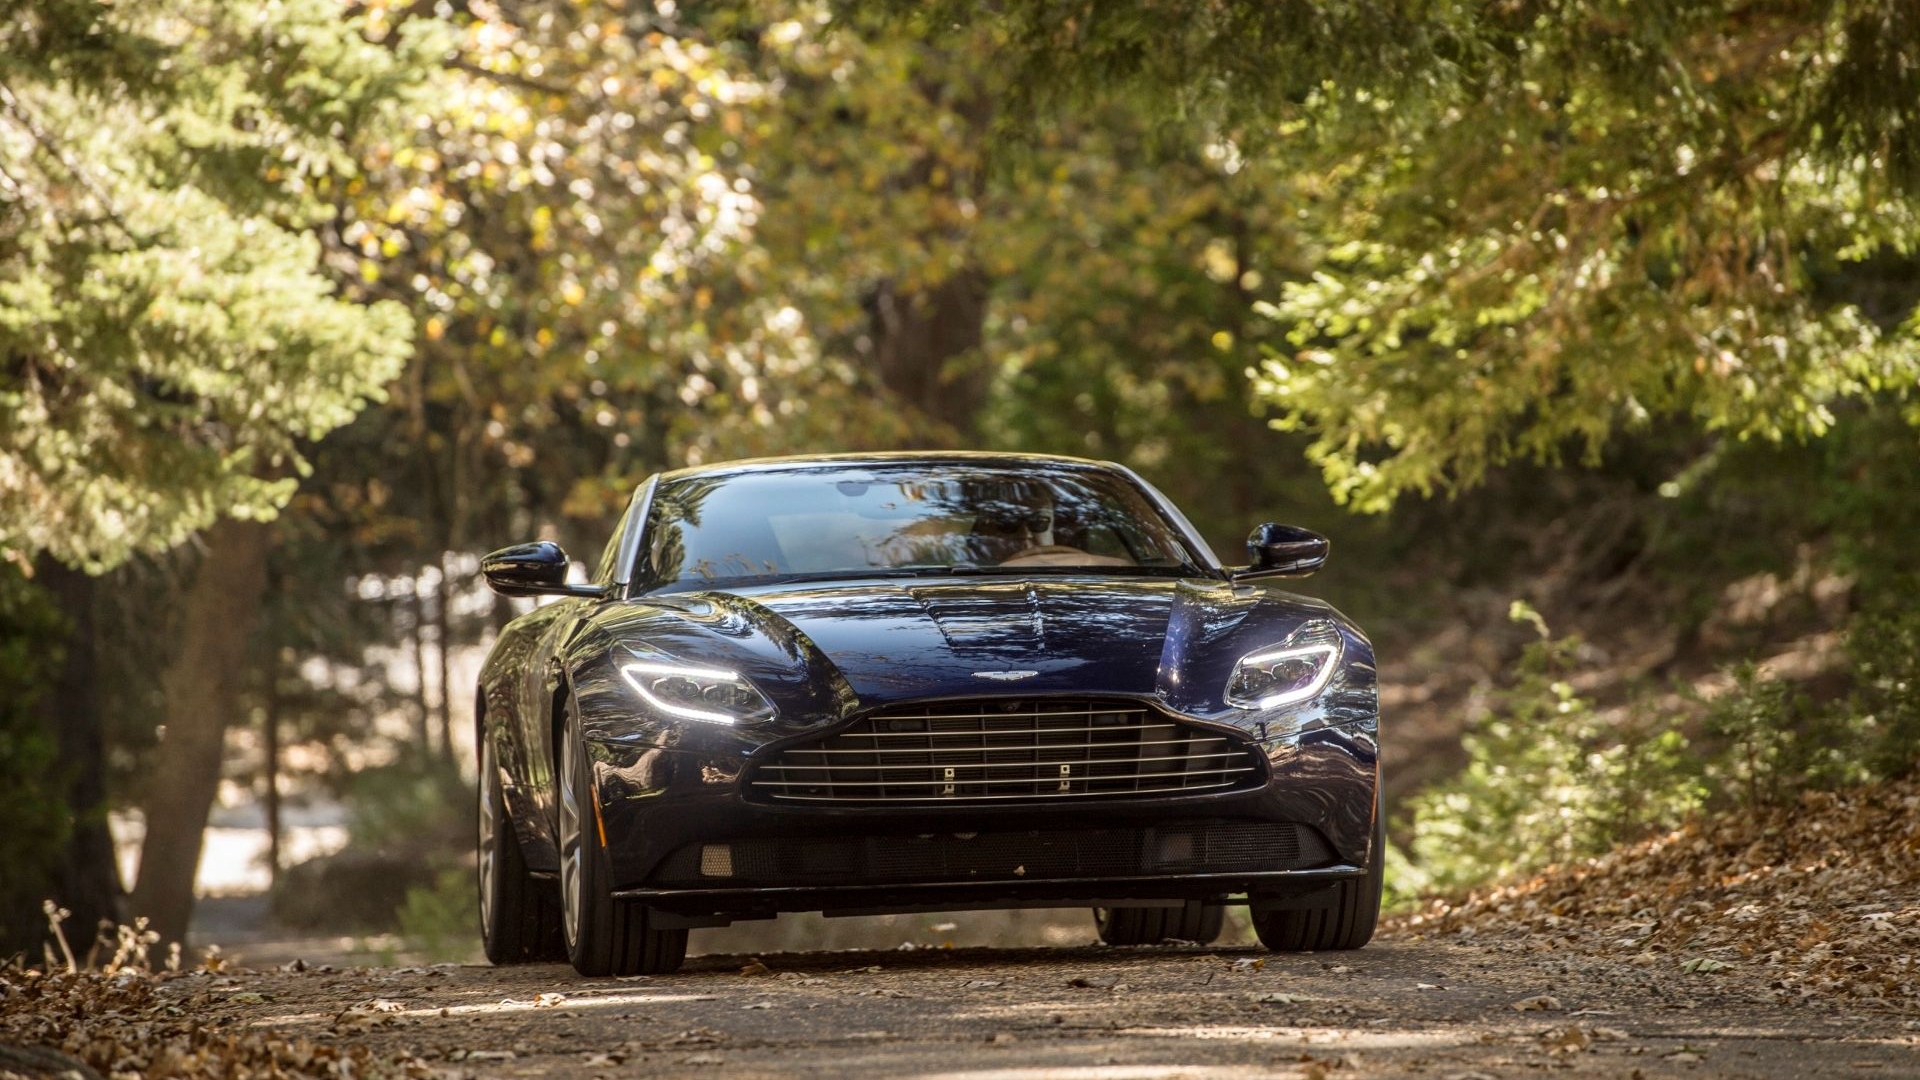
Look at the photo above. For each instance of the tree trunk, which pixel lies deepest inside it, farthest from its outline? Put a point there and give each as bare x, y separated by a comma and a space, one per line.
922, 343
926, 344
202, 688
87, 883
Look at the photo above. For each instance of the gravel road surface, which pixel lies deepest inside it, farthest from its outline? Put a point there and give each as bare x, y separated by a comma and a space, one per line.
1397, 1008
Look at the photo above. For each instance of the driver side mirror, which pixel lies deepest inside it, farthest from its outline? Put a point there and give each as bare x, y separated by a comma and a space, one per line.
1275, 550
536, 569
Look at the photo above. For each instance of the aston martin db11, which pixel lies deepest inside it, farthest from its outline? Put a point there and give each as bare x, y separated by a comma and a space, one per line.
921, 682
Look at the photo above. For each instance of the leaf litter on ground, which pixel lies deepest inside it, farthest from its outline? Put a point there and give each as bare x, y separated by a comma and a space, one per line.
1811, 902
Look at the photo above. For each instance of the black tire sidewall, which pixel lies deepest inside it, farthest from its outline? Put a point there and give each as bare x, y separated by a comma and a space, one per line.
590, 951
499, 917
519, 921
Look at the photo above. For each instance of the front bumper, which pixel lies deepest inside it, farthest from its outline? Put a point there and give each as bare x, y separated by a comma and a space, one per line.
683, 836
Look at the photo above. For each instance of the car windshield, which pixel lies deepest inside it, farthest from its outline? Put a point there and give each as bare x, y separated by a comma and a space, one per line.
860, 521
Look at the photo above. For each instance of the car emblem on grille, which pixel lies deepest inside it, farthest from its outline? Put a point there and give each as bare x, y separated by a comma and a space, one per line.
1005, 676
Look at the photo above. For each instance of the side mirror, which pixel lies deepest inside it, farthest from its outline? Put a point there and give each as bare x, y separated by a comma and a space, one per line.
536, 569
1275, 550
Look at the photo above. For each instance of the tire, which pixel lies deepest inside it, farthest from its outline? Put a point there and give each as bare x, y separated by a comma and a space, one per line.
519, 915
1344, 922
1193, 921
603, 936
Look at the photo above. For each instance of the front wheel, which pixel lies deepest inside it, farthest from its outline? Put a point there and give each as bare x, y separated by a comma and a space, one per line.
1344, 922
604, 936
1193, 921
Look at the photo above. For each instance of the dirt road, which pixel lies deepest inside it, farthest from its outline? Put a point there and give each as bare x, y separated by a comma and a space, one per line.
1396, 1008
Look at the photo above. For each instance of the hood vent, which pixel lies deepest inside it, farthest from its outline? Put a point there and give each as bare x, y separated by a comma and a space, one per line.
1006, 750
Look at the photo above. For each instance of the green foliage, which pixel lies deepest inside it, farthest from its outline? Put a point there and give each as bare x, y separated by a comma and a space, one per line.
1550, 779
1572, 254
1884, 646
439, 921
1407, 882
1769, 741
408, 810
420, 820
1244, 60
32, 796
1533, 227
168, 337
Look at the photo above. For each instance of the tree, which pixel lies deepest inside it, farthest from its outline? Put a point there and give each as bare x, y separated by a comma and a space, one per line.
168, 339
1537, 225
1628, 225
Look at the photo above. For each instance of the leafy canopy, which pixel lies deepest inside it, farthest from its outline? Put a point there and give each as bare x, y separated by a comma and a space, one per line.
1538, 224
167, 335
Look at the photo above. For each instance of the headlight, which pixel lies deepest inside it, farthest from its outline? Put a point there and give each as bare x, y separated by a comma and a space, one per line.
1283, 676
713, 695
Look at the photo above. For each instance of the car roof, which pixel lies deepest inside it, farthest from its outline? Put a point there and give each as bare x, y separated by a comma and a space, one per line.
902, 457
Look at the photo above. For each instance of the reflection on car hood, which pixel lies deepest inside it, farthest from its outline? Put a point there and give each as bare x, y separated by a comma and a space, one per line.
893, 641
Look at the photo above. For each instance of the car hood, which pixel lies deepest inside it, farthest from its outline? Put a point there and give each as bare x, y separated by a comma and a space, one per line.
899, 640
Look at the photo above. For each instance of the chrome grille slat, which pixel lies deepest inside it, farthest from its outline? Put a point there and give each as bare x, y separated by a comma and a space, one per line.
1021, 731
982, 798
1004, 764
1029, 744
990, 781
1006, 749
1132, 710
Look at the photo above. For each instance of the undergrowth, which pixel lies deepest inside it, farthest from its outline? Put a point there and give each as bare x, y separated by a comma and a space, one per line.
1551, 778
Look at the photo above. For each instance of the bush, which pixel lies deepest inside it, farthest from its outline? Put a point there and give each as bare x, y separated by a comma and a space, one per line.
1768, 742
409, 826
1771, 743
1884, 647
418, 810
442, 922
1550, 779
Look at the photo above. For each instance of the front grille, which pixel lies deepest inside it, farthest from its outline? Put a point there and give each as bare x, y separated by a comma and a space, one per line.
1197, 847
1006, 750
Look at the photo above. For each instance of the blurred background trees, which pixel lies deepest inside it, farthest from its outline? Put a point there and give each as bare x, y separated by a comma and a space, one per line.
305, 308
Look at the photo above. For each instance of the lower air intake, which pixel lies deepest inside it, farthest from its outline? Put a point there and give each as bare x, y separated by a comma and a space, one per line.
1206, 847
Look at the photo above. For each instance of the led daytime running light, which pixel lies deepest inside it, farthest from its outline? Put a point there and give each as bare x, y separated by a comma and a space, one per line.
634, 672
1323, 674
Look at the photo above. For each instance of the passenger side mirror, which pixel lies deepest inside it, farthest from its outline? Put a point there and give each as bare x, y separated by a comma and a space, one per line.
1275, 550
536, 569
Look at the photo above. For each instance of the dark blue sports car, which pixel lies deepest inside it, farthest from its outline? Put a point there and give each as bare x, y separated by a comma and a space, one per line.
921, 682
